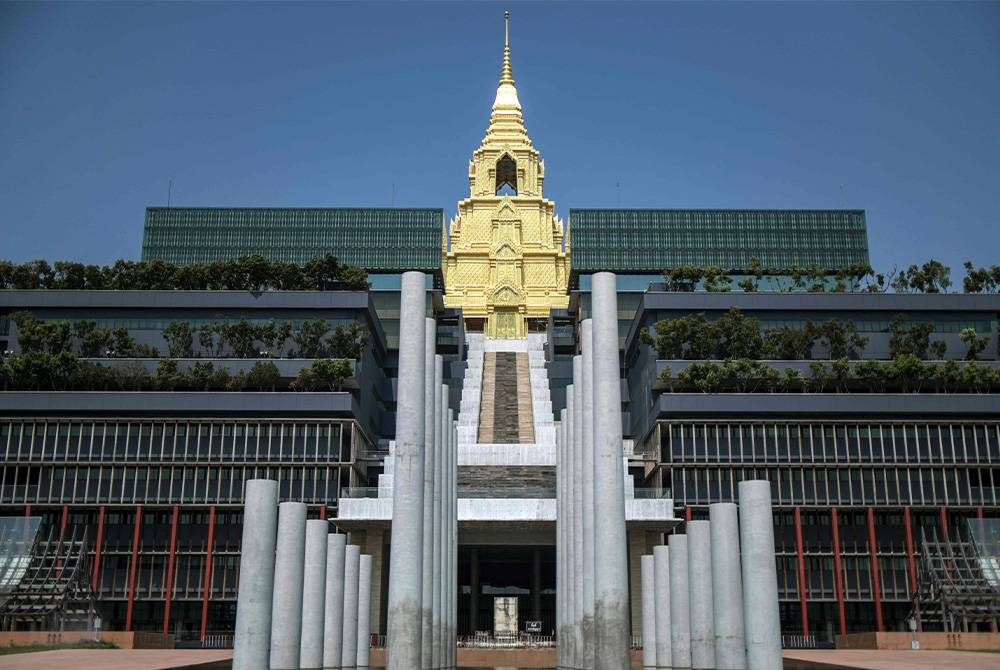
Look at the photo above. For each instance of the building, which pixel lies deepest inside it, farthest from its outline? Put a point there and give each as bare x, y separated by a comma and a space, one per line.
155, 475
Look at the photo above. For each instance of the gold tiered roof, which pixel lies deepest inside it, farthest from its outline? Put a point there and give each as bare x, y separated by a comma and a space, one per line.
506, 263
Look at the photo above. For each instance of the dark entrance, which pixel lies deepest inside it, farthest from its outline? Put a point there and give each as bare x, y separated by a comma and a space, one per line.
487, 571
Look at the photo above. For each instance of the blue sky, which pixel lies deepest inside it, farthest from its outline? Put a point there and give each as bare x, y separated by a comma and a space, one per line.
331, 104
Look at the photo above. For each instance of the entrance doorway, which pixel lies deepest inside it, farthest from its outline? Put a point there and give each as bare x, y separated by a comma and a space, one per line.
527, 573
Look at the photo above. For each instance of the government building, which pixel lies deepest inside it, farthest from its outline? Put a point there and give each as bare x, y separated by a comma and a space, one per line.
749, 350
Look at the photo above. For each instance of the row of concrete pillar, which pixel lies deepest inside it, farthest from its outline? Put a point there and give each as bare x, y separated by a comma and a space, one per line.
304, 597
710, 597
592, 608
422, 617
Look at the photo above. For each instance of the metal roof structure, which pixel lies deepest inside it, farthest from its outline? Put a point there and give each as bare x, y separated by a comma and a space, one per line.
380, 240
647, 241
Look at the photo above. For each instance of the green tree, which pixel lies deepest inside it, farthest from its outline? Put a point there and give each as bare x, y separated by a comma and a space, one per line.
309, 338
931, 277
93, 341
347, 342
981, 280
180, 339
737, 336
975, 343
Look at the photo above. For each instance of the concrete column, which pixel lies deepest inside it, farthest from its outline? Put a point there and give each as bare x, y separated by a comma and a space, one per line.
587, 490
700, 595
286, 604
314, 594
252, 637
364, 610
562, 548
333, 624
611, 607
579, 539
439, 521
452, 576
572, 475
664, 630
680, 612
405, 624
727, 588
648, 613
760, 578
431, 409
349, 647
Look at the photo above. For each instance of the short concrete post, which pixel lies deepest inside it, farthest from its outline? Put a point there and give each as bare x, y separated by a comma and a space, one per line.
648, 612
333, 624
430, 423
700, 598
314, 595
587, 489
727, 588
661, 566
286, 607
760, 579
611, 598
405, 623
352, 561
680, 613
364, 610
252, 637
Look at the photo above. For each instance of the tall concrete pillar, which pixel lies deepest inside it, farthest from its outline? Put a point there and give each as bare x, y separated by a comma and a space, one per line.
562, 572
252, 637
727, 588
364, 610
648, 612
579, 539
314, 595
439, 522
452, 639
680, 612
760, 578
572, 474
333, 623
431, 410
700, 595
664, 645
587, 490
405, 625
286, 604
349, 646
611, 606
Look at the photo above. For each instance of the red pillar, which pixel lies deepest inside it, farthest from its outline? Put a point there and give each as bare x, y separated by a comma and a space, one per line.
133, 568
27, 510
687, 513
63, 520
169, 596
802, 571
97, 549
207, 585
910, 560
322, 512
943, 516
838, 575
876, 590
979, 512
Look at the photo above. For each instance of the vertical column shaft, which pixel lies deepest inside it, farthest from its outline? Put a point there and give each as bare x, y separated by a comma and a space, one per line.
579, 541
876, 579
611, 609
700, 595
562, 548
648, 612
572, 479
349, 646
314, 595
405, 623
474, 589
727, 587
333, 621
252, 637
587, 488
760, 578
536, 584
286, 608
364, 610
680, 605
438, 529
451, 641
427, 613
661, 621
801, 569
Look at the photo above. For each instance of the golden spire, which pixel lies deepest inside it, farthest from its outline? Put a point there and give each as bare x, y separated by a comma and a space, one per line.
506, 75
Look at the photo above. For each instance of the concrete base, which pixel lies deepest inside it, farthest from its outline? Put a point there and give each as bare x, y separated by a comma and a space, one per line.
967, 641
505, 658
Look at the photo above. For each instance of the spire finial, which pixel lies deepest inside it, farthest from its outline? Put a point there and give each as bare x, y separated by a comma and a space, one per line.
506, 75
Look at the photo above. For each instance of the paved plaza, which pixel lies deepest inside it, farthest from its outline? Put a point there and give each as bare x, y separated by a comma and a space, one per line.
865, 659
118, 659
